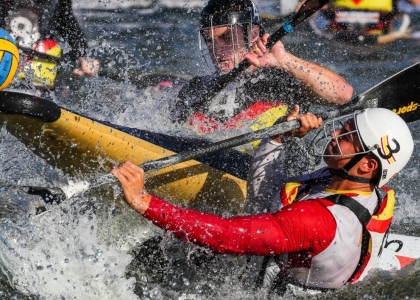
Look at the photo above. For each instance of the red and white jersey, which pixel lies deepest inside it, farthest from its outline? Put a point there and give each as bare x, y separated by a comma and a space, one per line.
333, 266
323, 239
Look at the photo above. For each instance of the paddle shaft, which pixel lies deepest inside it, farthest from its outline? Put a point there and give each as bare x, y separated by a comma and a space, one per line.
81, 187
218, 146
184, 156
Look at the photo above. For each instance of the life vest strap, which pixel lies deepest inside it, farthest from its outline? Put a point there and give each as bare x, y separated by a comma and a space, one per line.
361, 212
364, 216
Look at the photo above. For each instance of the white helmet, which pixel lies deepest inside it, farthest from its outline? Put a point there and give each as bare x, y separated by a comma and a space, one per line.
388, 133
381, 132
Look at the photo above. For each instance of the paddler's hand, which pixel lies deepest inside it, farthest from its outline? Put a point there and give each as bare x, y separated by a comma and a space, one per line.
307, 121
261, 57
131, 178
88, 66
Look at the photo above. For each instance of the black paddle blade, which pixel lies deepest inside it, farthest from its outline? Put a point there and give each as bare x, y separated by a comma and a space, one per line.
399, 93
308, 9
12, 102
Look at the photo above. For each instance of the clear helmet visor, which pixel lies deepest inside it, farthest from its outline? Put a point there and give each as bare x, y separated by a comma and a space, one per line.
328, 141
223, 47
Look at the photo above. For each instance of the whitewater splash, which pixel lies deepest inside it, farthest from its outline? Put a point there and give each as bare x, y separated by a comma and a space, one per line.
60, 255
77, 250
113, 4
271, 6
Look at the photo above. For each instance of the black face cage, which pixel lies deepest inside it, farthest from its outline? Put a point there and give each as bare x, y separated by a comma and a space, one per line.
209, 53
239, 22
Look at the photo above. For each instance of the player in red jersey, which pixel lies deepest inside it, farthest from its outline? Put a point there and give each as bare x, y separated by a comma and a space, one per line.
319, 239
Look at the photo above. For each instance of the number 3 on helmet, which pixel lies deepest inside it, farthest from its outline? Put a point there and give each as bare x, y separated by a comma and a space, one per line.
387, 132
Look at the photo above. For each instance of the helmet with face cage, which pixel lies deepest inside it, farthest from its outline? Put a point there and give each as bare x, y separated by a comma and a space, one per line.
236, 14
382, 133
387, 132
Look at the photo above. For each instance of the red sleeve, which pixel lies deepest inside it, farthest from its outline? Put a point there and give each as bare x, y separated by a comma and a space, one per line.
305, 225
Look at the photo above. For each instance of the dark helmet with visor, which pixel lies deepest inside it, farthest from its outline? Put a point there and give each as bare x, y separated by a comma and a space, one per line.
239, 15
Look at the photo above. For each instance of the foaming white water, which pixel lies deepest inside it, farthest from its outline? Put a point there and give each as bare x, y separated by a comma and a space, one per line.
77, 250
113, 4
406, 209
122, 103
57, 256
18, 164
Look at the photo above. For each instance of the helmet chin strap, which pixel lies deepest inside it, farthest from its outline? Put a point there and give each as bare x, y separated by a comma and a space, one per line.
344, 171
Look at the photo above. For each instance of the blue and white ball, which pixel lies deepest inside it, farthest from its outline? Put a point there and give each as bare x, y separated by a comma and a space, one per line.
9, 59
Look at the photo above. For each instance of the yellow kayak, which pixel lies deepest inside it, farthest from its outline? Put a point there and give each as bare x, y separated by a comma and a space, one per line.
83, 147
